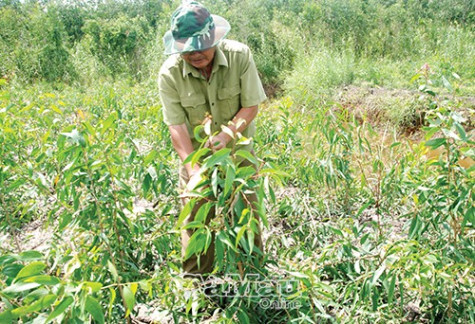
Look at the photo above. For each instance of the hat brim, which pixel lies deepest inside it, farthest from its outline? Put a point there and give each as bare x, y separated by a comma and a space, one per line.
197, 43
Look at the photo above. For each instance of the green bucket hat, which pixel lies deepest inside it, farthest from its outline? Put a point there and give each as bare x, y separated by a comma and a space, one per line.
193, 28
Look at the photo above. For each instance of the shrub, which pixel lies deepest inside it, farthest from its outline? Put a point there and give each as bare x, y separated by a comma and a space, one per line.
117, 43
33, 43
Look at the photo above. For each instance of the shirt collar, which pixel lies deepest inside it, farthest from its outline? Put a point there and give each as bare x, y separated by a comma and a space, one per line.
219, 60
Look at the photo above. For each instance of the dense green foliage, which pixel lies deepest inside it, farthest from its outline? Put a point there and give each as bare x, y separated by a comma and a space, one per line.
81, 162
87, 41
362, 224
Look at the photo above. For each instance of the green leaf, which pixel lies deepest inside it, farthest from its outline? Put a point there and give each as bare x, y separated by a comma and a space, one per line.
6, 317
378, 274
11, 270
196, 243
189, 304
197, 133
113, 295
28, 108
392, 285
62, 306
363, 208
261, 209
262, 215
430, 132
56, 109
435, 143
44, 302
299, 275
89, 128
44, 280
208, 240
469, 217
146, 184
65, 219
31, 269
230, 175
15, 185
112, 270
109, 122
247, 155
185, 212
468, 152
414, 228
450, 133
219, 253
357, 267
375, 298
336, 231
91, 286
244, 213
193, 224
243, 317
319, 305
250, 239
269, 189
129, 298
447, 84
214, 182
94, 308
150, 157
276, 172
20, 287
196, 156
217, 158
245, 172
415, 78
145, 285
203, 212
225, 239
378, 165
461, 132
240, 234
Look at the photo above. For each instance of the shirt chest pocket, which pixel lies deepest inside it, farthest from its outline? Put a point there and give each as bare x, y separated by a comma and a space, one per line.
229, 101
195, 108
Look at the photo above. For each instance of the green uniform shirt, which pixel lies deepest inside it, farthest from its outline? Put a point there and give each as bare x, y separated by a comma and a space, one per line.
234, 83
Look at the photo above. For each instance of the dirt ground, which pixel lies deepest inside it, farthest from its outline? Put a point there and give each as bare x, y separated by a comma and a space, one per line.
396, 107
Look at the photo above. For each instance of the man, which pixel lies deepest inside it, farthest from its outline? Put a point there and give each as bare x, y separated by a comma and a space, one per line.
206, 75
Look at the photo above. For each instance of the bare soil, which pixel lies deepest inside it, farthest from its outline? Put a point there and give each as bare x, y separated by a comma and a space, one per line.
397, 107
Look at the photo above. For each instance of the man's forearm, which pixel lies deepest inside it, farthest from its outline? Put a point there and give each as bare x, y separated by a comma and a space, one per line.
182, 144
242, 119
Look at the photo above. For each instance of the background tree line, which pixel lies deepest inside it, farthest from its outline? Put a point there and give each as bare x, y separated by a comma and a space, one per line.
85, 41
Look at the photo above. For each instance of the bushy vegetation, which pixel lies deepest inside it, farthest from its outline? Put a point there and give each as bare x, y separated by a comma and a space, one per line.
80, 41
362, 223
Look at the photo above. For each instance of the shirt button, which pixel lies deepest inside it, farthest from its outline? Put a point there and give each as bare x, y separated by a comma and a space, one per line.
212, 104
216, 123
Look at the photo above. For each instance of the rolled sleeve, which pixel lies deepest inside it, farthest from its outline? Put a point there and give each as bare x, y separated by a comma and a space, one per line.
173, 112
252, 92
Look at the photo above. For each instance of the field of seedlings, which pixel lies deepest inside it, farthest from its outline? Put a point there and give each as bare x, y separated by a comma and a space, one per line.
363, 168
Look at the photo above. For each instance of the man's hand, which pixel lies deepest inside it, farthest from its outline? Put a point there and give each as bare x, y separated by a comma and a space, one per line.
195, 179
215, 143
